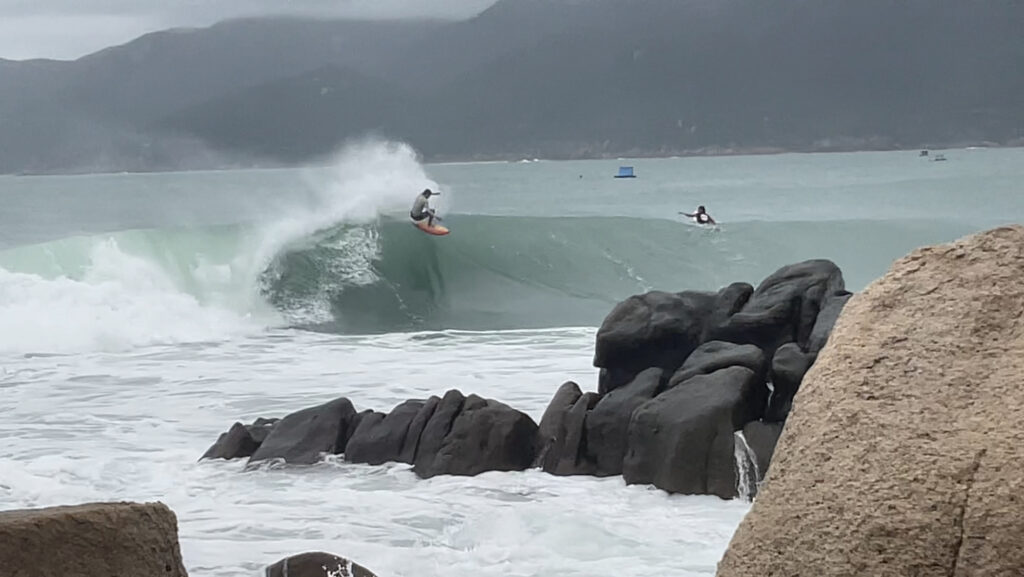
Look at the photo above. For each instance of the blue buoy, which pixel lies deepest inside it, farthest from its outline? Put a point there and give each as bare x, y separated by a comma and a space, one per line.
625, 172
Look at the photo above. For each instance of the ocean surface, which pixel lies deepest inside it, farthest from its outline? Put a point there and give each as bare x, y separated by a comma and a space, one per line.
141, 315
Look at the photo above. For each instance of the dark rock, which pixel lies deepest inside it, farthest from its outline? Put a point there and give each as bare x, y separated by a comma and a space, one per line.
681, 441
567, 456
354, 422
316, 564
260, 429
419, 422
784, 307
436, 429
302, 437
486, 436
379, 438
721, 468
360, 426
827, 318
241, 440
728, 302
715, 355
789, 365
553, 421
656, 329
608, 423
761, 438
234, 444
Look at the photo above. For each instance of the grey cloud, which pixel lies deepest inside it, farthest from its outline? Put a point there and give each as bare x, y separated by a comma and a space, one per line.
71, 28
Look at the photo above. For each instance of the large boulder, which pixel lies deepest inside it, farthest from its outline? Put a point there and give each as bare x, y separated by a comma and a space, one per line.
485, 436
235, 443
901, 454
826, 319
240, 440
682, 441
91, 540
552, 423
607, 424
435, 430
304, 436
411, 443
380, 438
317, 564
568, 452
714, 355
656, 329
789, 365
784, 307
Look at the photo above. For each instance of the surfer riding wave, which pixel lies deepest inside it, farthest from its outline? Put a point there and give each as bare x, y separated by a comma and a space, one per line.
421, 208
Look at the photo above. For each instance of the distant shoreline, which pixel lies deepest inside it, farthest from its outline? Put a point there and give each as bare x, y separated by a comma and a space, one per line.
510, 158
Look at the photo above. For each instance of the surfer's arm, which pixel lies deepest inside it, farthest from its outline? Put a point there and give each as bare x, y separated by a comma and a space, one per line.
711, 220
688, 214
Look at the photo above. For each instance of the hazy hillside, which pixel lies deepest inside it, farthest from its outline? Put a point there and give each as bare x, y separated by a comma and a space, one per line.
80, 115
535, 77
293, 119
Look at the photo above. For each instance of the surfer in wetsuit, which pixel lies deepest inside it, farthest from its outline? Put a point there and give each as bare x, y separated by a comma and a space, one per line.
421, 208
701, 216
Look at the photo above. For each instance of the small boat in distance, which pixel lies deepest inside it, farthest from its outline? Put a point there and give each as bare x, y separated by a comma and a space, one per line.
939, 158
625, 172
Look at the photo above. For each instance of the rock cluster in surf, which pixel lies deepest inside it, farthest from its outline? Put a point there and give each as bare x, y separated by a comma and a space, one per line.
681, 373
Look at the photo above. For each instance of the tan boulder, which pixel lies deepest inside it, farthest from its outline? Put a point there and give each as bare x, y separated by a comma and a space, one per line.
903, 453
93, 540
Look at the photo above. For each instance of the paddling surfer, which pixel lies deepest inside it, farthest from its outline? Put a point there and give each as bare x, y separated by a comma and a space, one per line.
701, 216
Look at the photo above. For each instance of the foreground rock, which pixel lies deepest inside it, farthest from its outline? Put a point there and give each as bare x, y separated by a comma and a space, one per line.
317, 564
902, 453
93, 540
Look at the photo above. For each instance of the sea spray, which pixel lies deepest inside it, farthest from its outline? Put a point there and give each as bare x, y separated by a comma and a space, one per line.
368, 179
129, 288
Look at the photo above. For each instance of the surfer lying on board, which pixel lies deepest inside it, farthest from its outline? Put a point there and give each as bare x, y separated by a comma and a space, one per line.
701, 216
421, 208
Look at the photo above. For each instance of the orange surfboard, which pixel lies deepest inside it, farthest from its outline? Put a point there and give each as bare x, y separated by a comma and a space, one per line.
436, 230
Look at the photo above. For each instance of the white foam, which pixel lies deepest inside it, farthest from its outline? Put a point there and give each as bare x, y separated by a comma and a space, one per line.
132, 425
367, 180
109, 297
122, 301
748, 477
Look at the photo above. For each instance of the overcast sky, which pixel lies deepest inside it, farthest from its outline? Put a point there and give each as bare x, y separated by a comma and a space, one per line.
68, 29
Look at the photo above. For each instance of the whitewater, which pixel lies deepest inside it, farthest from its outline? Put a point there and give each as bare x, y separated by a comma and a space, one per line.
140, 315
